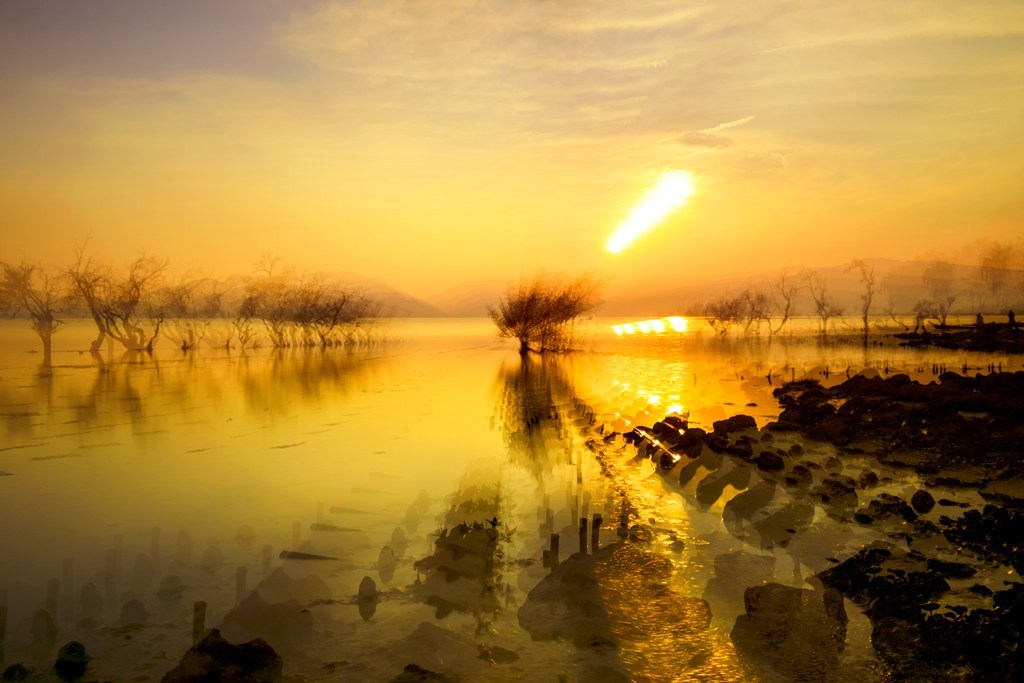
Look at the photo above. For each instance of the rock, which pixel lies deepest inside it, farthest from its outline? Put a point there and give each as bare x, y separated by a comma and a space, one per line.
886, 506
799, 632
736, 423
286, 626
769, 462
799, 476
72, 661
170, 588
922, 502
133, 612
16, 672
691, 442
867, 479
215, 660
413, 673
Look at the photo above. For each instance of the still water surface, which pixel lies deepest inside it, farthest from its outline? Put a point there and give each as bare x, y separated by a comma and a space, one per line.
123, 469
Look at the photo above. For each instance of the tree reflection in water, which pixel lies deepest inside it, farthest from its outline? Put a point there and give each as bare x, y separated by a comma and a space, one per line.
533, 399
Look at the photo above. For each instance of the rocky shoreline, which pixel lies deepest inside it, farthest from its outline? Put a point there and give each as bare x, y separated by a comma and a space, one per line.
933, 581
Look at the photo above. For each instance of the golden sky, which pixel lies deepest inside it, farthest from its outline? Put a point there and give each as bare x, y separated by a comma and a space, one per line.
434, 143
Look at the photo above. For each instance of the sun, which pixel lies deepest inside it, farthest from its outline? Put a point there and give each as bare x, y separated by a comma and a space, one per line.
669, 192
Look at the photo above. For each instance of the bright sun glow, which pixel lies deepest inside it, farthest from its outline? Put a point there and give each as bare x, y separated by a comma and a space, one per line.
670, 192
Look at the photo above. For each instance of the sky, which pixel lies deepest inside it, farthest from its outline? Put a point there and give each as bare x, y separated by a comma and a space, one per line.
432, 144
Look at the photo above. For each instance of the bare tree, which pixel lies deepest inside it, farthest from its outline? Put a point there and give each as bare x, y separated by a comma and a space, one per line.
784, 291
824, 305
29, 288
188, 308
541, 311
867, 279
724, 312
298, 311
994, 270
749, 308
120, 305
938, 279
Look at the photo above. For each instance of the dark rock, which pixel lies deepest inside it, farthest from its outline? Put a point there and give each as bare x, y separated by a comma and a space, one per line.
215, 660
170, 588
413, 673
867, 479
16, 672
133, 612
72, 661
769, 462
799, 476
741, 449
736, 423
692, 441
922, 502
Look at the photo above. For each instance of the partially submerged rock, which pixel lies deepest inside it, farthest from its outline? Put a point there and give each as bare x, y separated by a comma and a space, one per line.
215, 660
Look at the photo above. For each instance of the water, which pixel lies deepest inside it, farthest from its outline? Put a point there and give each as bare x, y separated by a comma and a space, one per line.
122, 469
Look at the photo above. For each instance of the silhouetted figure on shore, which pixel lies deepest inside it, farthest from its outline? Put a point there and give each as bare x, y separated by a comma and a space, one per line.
1011, 320
979, 321
919, 322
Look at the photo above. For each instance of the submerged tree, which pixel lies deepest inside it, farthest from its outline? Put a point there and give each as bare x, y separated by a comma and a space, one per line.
541, 311
824, 305
299, 311
120, 304
29, 288
938, 279
867, 278
784, 293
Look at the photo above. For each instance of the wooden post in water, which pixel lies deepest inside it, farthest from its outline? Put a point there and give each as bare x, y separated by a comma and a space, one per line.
240, 575
553, 551
198, 620
595, 532
583, 535
268, 558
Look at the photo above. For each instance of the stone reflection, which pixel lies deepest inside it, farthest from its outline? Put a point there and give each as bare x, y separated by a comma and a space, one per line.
532, 407
464, 571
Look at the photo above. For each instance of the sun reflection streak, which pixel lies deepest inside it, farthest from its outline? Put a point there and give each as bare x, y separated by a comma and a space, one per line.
673, 323
669, 192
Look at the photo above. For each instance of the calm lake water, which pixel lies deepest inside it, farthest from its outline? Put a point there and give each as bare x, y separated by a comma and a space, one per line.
121, 470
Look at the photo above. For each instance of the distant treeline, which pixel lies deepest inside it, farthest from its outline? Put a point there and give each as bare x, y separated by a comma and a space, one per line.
994, 286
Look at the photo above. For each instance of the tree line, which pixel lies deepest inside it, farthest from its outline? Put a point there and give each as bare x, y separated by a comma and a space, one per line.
993, 286
134, 305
